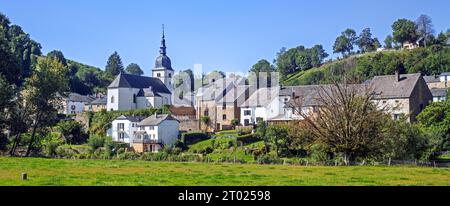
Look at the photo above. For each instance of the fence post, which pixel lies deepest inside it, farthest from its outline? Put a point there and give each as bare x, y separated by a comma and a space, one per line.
434, 163
389, 162
307, 163
24, 176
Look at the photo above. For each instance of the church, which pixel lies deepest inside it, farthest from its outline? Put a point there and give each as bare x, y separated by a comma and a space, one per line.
129, 91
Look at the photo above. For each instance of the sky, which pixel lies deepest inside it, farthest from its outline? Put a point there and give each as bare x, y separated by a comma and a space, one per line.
227, 35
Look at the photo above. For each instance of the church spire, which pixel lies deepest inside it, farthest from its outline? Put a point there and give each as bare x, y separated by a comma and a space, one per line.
162, 51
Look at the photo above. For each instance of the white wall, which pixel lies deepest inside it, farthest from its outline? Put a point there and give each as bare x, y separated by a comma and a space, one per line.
128, 129
78, 107
113, 105
168, 131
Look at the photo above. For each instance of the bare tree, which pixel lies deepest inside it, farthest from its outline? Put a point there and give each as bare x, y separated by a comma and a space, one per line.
424, 27
346, 120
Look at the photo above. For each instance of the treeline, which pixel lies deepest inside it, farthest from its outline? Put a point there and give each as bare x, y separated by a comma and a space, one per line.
296, 61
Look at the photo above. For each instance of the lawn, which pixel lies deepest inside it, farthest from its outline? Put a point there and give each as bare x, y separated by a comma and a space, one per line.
116, 172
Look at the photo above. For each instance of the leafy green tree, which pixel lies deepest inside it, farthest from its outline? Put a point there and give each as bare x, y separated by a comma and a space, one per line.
376, 43
404, 30
278, 139
344, 43
442, 38
134, 69
425, 28
388, 42
266, 68
365, 41
435, 118
72, 132
58, 55
114, 65
318, 55
47, 81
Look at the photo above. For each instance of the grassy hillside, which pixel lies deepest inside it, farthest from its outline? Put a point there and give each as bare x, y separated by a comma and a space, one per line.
111, 172
428, 61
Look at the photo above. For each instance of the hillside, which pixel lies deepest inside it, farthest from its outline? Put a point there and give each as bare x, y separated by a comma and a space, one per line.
87, 79
428, 61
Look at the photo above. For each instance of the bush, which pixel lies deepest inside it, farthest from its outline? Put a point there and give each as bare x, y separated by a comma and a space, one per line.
318, 153
268, 159
96, 142
223, 143
72, 132
193, 137
247, 139
50, 143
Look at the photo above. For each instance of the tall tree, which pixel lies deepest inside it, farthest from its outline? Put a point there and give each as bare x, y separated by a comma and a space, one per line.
425, 28
42, 90
318, 55
58, 55
344, 43
266, 68
365, 41
388, 42
114, 65
134, 69
404, 30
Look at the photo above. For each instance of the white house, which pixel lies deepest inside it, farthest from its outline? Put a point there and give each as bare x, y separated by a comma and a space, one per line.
263, 104
75, 103
155, 132
124, 127
137, 92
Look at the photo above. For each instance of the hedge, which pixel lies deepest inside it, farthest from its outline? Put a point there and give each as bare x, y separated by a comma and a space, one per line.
193, 137
248, 138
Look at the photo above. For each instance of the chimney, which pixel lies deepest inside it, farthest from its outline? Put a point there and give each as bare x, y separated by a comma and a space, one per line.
397, 75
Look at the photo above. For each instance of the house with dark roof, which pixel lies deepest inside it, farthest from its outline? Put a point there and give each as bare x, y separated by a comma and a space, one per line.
124, 127
438, 81
156, 132
439, 94
96, 105
129, 91
74, 103
403, 95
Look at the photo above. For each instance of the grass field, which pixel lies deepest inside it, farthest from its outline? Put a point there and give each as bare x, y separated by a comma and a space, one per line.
109, 172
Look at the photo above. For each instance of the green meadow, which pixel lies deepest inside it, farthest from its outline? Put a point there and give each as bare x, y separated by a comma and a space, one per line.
119, 172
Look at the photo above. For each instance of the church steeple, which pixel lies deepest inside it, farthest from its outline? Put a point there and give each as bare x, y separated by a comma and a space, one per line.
162, 50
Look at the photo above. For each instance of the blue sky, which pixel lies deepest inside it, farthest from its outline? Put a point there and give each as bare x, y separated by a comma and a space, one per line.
229, 35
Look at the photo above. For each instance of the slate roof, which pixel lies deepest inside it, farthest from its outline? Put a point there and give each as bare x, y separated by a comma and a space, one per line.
131, 118
147, 92
439, 92
306, 95
75, 97
135, 81
156, 119
386, 87
431, 79
102, 100
261, 97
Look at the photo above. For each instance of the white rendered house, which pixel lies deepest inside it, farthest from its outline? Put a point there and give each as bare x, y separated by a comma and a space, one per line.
124, 127
155, 132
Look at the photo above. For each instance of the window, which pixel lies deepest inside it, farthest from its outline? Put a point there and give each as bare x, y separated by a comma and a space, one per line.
142, 128
151, 128
397, 116
112, 99
224, 106
72, 107
120, 126
224, 117
134, 98
384, 102
121, 136
170, 75
247, 112
396, 101
206, 113
146, 136
158, 74
246, 122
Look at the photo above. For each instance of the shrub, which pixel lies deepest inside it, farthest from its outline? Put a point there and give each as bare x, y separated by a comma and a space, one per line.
96, 142
318, 153
193, 137
247, 139
268, 159
50, 143
223, 143
72, 132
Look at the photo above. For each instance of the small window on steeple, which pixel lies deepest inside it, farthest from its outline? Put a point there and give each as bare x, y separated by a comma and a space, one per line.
170, 75
158, 74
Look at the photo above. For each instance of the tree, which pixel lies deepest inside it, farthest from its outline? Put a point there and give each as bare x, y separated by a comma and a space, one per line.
114, 65
134, 69
58, 55
365, 41
266, 68
42, 90
435, 118
404, 30
206, 120
277, 137
347, 121
344, 43
425, 28
318, 55
388, 42
442, 38
72, 132
376, 43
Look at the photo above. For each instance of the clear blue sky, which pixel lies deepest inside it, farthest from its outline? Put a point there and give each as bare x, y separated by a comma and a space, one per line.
229, 35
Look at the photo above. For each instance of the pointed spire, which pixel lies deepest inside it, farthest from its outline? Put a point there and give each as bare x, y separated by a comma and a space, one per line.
162, 51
